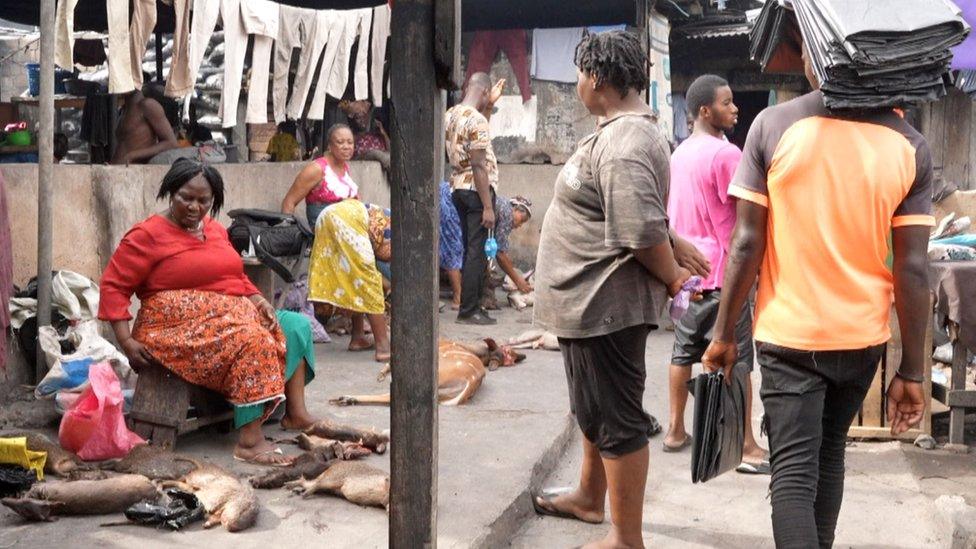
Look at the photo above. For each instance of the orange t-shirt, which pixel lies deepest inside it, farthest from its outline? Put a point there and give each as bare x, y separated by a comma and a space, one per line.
835, 185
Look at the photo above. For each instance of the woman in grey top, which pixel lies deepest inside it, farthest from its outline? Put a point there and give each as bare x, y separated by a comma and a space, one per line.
606, 267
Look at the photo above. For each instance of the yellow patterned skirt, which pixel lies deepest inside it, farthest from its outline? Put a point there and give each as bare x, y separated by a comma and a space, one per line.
342, 269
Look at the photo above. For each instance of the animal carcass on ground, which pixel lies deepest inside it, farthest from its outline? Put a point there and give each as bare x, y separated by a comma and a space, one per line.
460, 370
535, 339
355, 481
227, 500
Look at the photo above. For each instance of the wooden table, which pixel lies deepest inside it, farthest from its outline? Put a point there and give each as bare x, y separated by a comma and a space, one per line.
954, 286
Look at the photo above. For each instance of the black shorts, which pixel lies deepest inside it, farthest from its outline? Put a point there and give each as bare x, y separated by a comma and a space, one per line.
606, 376
693, 332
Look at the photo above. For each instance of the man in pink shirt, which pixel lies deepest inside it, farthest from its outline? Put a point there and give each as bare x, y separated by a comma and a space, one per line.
702, 212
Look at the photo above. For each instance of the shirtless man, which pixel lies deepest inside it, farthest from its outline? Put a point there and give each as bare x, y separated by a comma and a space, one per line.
143, 131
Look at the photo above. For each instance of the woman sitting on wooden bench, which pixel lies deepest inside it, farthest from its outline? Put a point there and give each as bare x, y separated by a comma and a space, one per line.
200, 316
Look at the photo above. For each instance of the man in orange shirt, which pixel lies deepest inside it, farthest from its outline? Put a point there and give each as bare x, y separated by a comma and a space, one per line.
820, 192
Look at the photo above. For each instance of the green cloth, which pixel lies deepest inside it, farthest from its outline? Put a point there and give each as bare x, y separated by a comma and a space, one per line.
298, 346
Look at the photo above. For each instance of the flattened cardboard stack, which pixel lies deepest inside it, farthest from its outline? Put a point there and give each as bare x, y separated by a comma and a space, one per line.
865, 53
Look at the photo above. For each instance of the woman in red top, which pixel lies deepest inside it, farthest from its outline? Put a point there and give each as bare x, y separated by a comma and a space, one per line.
200, 316
325, 180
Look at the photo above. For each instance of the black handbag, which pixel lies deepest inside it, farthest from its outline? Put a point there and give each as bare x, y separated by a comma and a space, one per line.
719, 424
272, 235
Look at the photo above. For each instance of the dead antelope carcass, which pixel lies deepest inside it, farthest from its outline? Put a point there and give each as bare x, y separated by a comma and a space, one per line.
460, 370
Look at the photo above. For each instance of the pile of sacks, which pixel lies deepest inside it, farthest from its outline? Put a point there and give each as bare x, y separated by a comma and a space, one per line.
866, 53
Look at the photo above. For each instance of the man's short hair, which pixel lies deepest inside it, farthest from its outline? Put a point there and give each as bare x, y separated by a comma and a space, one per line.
480, 79
702, 93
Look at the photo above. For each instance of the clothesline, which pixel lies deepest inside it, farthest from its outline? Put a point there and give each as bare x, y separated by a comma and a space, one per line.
326, 34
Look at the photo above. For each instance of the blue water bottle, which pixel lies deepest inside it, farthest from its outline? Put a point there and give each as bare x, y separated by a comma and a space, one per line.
491, 246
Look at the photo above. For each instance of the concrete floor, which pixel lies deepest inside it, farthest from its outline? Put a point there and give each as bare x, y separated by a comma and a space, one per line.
515, 436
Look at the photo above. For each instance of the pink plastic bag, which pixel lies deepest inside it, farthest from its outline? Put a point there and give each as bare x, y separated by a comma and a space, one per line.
94, 427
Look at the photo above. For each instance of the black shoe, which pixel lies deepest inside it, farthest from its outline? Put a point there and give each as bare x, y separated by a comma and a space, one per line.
480, 318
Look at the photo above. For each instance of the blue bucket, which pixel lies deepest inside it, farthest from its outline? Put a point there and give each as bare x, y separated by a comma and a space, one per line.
34, 79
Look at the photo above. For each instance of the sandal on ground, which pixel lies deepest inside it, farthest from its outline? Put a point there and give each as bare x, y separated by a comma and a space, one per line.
668, 449
761, 468
265, 458
542, 503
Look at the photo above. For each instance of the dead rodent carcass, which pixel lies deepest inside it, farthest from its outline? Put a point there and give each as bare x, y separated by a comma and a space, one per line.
309, 464
153, 462
83, 497
227, 500
354, 481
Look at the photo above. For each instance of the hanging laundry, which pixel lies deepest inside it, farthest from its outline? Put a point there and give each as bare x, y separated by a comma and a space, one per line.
143, 23
119, 66
334, 72
380, 37
485, 47
179, 81
295, 27
64, 39
204, 20
597, 29
235, 48
554, 54
357, 27
261, 18
325, 23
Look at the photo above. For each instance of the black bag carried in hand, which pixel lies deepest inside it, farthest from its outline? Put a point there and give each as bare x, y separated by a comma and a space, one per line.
719, 426
272, 234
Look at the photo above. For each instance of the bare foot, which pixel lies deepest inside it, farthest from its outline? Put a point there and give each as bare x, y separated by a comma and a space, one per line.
290, 423
754, 456
262, 453
383, 353
456, 306
572, 505
363, 344
675, 439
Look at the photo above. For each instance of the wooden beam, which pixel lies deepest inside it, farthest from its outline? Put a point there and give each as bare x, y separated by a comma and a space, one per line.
416, 131
45, 179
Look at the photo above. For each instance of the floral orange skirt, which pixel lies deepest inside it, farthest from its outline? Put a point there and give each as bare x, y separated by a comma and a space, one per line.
215, 341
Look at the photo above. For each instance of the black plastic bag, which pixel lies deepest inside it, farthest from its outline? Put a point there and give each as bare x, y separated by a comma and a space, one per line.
175, 510
15, 480
719, 425
273, 235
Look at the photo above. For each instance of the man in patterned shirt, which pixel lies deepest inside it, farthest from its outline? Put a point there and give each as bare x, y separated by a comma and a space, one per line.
474, 183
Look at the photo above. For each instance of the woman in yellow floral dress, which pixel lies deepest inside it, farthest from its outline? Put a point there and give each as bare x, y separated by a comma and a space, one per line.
350, 238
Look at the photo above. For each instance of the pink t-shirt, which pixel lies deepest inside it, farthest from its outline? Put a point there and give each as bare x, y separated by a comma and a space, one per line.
699, 205
334, 187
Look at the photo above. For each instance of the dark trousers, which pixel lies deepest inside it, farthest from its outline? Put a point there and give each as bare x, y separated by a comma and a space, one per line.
810, 398
474, 235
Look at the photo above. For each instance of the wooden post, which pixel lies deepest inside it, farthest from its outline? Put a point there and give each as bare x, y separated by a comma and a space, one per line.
45, 176
416, 124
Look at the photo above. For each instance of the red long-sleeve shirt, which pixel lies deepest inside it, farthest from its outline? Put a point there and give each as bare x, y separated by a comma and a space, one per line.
156, 256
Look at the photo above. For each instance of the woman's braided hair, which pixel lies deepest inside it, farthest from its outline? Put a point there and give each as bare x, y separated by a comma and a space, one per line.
615, 58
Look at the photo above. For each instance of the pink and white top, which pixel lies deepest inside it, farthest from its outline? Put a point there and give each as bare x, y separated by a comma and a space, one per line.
699, 205
334, 187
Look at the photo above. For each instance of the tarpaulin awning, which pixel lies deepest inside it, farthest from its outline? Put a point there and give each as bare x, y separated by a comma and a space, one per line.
476, 14
964, 55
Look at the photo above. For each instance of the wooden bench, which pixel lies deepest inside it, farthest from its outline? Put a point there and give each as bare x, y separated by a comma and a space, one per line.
164, 407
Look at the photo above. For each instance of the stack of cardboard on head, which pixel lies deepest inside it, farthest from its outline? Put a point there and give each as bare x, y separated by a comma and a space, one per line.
865, 53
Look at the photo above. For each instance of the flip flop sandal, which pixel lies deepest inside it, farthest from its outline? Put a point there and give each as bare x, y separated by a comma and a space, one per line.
254, 460
542, 504
753, 469
668, 449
